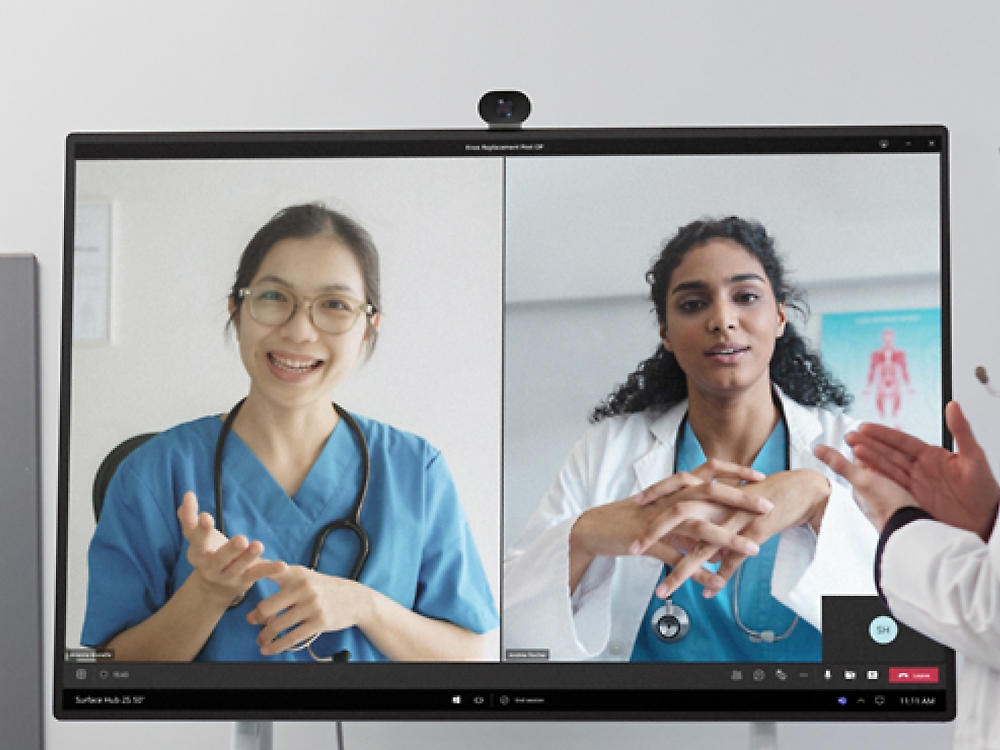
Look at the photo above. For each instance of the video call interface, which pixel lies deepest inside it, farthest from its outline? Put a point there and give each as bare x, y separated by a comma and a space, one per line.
515, 325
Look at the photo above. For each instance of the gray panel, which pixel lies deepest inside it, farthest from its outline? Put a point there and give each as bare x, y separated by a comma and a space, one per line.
20, 556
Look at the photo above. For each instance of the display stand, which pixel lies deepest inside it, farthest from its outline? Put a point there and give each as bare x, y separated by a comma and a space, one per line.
763, 735
252, 735
259, 735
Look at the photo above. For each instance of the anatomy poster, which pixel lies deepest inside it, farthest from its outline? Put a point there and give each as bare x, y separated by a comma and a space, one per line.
890, 361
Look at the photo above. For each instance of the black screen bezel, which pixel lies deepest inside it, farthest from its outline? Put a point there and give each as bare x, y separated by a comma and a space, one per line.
604, 692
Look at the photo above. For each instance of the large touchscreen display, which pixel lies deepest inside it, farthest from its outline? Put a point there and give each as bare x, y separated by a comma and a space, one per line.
564, 365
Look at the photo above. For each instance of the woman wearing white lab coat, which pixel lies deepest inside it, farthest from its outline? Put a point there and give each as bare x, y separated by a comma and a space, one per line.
729, 373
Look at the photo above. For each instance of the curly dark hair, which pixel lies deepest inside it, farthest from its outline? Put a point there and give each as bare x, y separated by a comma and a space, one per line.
659, 382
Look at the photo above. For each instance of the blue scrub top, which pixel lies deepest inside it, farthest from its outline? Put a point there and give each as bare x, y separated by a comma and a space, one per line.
714, 634
422, 554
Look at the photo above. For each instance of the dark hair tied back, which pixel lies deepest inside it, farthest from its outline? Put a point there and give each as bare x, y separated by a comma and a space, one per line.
302, 222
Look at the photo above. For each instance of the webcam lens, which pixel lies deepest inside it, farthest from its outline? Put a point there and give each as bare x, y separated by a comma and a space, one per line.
505, 108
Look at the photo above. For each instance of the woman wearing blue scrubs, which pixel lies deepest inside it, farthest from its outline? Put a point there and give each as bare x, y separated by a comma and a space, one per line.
699, 469
166, 584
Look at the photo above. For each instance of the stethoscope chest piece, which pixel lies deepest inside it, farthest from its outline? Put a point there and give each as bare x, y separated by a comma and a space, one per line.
670, 622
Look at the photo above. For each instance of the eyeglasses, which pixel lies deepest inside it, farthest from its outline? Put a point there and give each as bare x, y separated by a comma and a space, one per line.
273, 305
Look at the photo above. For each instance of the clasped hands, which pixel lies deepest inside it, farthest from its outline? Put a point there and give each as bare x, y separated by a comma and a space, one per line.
308, 603
720, 512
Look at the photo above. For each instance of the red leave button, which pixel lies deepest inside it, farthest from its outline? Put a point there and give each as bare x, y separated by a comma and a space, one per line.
921, 675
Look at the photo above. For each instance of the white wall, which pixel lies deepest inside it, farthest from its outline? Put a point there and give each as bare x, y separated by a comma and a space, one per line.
588, 227
178, 230
185, 65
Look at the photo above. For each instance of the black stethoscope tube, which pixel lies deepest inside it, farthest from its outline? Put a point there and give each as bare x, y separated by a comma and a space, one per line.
351, 522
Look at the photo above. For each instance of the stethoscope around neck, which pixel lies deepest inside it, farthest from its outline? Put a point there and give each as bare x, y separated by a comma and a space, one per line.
671, 622
350, 522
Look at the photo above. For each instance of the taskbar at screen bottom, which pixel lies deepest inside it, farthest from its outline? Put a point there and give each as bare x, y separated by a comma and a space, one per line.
863, 705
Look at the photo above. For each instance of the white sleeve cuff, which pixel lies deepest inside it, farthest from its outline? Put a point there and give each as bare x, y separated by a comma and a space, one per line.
840, 561
539, 612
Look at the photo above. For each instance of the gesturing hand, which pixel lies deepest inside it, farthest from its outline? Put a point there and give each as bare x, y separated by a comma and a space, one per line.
226, 568
877, 495
308, 604
956, 488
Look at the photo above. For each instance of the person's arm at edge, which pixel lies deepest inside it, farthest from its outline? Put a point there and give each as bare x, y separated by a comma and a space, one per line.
943, 582
539, 610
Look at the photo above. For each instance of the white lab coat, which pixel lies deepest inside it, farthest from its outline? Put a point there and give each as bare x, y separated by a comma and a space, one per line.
945, 583
617, 458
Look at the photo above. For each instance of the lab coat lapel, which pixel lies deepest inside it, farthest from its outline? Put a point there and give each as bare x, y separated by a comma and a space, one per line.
804, 430
658, 462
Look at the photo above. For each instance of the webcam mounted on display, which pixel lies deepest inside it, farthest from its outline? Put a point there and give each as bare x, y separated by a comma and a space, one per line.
504, 110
